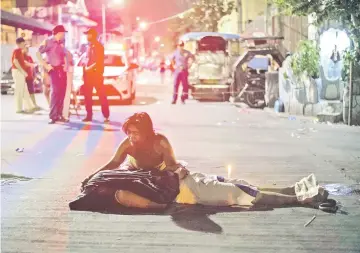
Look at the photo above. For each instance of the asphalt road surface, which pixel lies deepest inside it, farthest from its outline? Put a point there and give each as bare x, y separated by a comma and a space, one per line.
261, 147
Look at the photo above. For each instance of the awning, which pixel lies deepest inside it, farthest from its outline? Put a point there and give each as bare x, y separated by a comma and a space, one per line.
18, 21
79, 20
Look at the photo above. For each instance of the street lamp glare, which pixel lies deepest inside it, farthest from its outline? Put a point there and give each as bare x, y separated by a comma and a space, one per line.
157, 38
143, 25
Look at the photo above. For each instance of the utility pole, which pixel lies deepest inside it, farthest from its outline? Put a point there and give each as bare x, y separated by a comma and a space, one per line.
239, 10
59, 10
267, 16
103, 16
350, 94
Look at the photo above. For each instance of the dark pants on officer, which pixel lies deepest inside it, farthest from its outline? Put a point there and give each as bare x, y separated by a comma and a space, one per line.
58, 89
96, 81
181, 76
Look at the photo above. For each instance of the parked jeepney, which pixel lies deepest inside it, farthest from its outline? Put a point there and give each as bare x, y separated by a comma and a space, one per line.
210, 73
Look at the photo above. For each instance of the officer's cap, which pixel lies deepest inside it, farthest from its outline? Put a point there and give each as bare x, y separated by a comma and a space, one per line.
59, 29
91, 31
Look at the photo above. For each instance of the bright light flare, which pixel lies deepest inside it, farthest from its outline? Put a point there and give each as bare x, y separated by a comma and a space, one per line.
118, 1
229, 171
115, 46
157, 39
143, 25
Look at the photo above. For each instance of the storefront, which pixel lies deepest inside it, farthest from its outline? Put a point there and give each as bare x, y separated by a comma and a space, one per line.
14, 26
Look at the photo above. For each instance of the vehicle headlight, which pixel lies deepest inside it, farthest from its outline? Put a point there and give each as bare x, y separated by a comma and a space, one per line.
121, 78
77, 83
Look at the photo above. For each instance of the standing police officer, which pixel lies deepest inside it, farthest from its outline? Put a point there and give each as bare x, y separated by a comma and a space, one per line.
94, 76
55, 51
181, 59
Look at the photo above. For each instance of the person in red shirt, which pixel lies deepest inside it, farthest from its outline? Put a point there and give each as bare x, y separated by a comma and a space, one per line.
30, 78
19, 73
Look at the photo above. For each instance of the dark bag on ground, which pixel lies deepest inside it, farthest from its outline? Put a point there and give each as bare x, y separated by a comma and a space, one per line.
98, 194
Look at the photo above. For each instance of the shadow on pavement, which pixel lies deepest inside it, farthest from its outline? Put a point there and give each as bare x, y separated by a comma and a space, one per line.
189, 217
197, 222
196, 217
144, 100
139, 100
111, 123
89, 127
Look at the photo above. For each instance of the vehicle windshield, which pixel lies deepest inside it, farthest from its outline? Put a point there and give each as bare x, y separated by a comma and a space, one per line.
259, 63
114, 61
211, 43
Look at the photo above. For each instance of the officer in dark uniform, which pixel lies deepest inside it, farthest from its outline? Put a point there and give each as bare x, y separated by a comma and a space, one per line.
55, 51
93, 76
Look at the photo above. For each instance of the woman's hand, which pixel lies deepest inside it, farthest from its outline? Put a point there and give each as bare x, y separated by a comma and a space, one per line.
182, 172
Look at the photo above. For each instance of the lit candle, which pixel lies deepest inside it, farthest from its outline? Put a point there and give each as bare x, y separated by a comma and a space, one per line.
229, 171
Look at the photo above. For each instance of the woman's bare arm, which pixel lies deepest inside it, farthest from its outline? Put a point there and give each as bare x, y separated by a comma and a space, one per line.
114, 163
168, 154
170, 160
118, 158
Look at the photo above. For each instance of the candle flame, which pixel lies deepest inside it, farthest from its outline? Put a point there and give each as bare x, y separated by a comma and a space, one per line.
229, 171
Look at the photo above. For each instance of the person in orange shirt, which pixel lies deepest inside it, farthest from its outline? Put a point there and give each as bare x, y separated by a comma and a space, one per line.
30, 78
19, 73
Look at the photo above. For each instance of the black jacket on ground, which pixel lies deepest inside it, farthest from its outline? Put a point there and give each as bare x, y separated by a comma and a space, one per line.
99, 193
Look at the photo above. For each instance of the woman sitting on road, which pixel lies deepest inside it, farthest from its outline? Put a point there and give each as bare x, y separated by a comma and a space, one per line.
147, 150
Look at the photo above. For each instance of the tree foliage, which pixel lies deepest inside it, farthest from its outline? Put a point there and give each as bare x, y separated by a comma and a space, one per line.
306, 59
345, 11
204, 16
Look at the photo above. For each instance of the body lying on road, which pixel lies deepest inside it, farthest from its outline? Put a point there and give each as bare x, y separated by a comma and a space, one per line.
145, 174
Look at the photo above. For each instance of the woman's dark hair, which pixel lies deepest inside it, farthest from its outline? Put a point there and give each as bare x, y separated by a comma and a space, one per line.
141, 121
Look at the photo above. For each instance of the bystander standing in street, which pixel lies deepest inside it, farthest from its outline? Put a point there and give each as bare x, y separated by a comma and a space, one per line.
162, 70
46, 85
69, 68
55, 51
30, 65
181, 58
94, 76
20, 74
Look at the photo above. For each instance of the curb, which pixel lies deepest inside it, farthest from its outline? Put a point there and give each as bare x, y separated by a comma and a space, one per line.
290, 116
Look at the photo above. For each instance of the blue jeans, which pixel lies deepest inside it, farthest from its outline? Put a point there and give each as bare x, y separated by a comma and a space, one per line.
57, 89
181, 76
